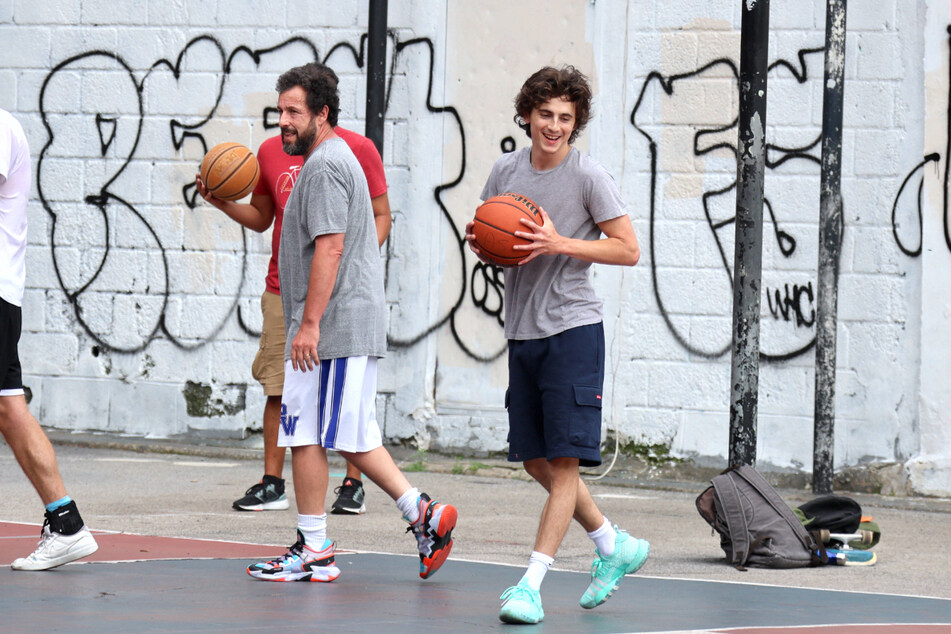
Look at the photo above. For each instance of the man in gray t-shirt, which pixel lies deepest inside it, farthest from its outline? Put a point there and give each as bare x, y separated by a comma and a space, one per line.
332, 293
331, 197
553, 326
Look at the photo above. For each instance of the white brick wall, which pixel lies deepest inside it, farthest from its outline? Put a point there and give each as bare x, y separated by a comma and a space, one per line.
162, 284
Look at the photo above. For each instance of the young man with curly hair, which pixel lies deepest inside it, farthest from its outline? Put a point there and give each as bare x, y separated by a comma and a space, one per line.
554, 328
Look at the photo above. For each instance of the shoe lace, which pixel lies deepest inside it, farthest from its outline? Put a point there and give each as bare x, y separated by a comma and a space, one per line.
423, 538
255, 488
297, 550
516, 593
46, 535
596, 566
426, 535
349, 489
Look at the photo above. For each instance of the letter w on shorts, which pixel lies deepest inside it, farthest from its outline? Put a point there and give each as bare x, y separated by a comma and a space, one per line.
333, 406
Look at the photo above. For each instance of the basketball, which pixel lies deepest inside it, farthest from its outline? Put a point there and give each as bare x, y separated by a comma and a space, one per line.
497, 220
229, 171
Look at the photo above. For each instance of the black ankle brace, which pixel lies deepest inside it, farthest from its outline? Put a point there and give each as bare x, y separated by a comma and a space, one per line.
65, 519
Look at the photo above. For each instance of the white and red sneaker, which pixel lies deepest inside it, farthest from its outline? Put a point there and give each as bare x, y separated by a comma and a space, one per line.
300, 563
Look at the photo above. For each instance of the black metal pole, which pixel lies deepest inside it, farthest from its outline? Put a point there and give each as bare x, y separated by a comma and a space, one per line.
748, 254
830, 242
376, 72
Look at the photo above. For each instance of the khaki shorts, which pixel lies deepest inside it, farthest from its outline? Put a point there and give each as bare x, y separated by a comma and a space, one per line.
268, 366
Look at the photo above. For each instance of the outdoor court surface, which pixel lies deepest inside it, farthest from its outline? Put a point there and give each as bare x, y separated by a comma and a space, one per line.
142, 583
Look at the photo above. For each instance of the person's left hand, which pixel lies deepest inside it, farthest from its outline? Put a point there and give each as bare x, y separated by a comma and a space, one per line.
545, 238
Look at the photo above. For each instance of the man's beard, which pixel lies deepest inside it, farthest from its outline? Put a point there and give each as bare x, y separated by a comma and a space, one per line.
304, 141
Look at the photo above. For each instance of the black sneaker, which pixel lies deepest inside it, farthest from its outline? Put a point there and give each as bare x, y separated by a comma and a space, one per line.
349, 498
266, 495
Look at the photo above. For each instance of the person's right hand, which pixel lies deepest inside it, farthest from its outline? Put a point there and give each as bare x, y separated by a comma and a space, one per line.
207, 195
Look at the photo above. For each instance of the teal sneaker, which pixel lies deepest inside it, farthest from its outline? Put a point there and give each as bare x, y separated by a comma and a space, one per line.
629, 555
521, 604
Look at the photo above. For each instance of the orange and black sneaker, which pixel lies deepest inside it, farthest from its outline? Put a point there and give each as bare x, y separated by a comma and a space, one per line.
433, 531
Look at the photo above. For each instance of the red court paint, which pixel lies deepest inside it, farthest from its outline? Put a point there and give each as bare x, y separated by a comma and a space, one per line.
19, 540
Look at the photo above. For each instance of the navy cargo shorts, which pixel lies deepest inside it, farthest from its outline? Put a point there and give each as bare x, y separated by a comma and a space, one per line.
554, 396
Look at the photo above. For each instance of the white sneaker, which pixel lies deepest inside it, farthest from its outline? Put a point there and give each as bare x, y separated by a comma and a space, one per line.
56, 549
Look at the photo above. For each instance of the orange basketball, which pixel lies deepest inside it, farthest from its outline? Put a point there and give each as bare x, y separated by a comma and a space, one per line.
497, 220
229, 171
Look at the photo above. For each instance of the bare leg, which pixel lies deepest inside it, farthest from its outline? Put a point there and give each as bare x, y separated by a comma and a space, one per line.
353, 472
378, 465
586, 511
273, 455
31, 448
310, 478
560, 507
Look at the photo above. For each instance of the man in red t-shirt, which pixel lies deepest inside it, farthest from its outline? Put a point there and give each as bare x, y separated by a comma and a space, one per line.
278, 173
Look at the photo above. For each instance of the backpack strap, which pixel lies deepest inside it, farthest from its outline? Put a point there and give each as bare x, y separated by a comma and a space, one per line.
753, 477
735, 519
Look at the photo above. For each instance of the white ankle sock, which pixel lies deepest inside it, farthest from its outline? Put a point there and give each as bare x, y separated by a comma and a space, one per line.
538, 565
603, 538
314, 530
407, 504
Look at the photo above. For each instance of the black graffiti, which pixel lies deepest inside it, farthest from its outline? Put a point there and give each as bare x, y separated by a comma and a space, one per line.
919, 170
111, 205
100, 199
119, 128
488, 281
788, 305
451, 317
946, 187
705, 143
488, 290
909, 250
947, 157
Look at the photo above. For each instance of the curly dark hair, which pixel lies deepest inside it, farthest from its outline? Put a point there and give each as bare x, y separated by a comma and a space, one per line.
551, 83
319, 82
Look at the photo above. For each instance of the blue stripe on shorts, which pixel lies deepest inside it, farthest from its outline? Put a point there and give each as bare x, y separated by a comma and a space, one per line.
330, 425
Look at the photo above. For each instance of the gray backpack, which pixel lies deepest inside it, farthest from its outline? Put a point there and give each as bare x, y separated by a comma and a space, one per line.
756, 527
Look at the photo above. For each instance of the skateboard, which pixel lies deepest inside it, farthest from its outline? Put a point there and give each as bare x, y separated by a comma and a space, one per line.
849, 549
850, 557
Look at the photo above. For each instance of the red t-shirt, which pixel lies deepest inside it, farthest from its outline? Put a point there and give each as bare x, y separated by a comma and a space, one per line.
279, 172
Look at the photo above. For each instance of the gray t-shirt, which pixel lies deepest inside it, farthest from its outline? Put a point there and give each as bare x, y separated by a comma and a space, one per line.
551, 294
331, 196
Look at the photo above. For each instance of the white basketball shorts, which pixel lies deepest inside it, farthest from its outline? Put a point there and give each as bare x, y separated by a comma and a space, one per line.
333, 406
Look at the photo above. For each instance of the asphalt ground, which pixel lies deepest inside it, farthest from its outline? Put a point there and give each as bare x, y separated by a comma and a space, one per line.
185, 490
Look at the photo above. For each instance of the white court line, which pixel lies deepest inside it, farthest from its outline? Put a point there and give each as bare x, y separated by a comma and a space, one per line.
177, 463
33, 535
195, 539
231, 515
127, 460
789, 587
831, 626
624, 496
